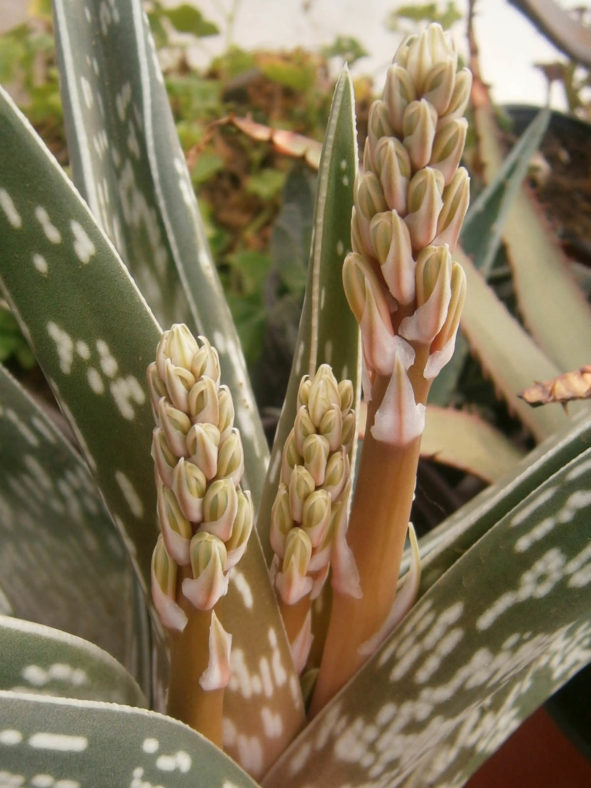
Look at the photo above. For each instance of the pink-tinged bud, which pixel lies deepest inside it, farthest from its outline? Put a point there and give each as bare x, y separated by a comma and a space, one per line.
289, 458
433, 276
331, 427
156, 386
175, 424
231, 458
301, 484
178, 381
448, 147
281, 520
203, 403
293, 582
419, 124
439, 84
424, 51
316, 516
164, 460
391, 239
302, 428
315, 454
455, 204
345, 576
189, 485
241, 529
176, 528
378, 123
346, 394
164, 574
338, 474
460, 96
399, 419
424, 204
218, 672
219, 508
202, 447
324, 394
178, 345
369, 200
208, 564
398, 94
225, 411
392, 165
206, 362
443, 345
304, 389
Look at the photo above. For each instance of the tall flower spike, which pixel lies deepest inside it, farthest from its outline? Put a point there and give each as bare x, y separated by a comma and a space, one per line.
205, 520
315, 484
407, 294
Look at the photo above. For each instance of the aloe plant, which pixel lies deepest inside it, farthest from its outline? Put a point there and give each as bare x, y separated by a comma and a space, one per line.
93, 272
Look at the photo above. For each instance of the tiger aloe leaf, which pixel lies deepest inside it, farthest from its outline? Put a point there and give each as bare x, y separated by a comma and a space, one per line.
74, 741
504, 627
39, 659
466, 441
65, 539
328, 332
129, 166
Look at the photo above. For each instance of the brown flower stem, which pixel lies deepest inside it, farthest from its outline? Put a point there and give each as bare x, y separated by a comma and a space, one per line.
189, 658
294, 616
376, 535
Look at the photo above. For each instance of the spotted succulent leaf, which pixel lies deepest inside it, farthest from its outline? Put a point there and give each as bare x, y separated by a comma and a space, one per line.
59, 544
129, 166
502, 629
328, 332
74, 741
39, 659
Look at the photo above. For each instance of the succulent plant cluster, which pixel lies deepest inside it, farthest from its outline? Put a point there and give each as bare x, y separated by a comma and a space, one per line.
410, 202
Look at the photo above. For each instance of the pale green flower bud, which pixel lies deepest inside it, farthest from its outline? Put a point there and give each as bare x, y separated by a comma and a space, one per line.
178, 381
433, 277
316, 516
460, 96
219, 508
358, 244
304, 390
443, 345
292, 582
418, 127
178, 345
189, 485
439, 84
324, 394
303, 426
378, 123
369, 200
231, 457
346, 394
203, 403
156, 386
301, 484
455, 204
338, 470
315, 452
225, 410
175, 425
392, 164
290, 457
208, 563
349, 427
424, 205
206, 362
164, 575
424, 51
398, 94
241, 529
202, 447
281, 520
331, 427
391, 239
164, 460
448, 147
176, 528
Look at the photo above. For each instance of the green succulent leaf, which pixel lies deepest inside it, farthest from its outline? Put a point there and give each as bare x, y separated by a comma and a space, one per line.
328, 331
59, 545
79, 742
499, 632
129, 166
38, 659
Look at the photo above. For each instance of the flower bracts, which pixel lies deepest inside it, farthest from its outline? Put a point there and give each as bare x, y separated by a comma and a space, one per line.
410, 202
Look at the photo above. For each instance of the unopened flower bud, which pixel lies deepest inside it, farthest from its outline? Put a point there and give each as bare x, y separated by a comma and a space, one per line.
392, 164
378, 123
289, 458
164, 574
241, 529
202, 446
443, 345
331, 427
315, 454
316, 516
164, 459
460, 96
349, 427
301, 484
292, 582
392, 242
303, 426
433, 276
175, 425
419, 124
439, 84
203, 404
189, 485
455, 204
424, 204
369, 200
178, 345
448, 147
346, 394
281, 520
225, 410
219, 508
337, 474
206, 362
176, 528
231, 457
178, 381
304, 390
425, 50
208, 563
156, 386
324, 394
398, 94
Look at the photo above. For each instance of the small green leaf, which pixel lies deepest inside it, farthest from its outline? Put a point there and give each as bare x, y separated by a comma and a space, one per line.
188, 19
